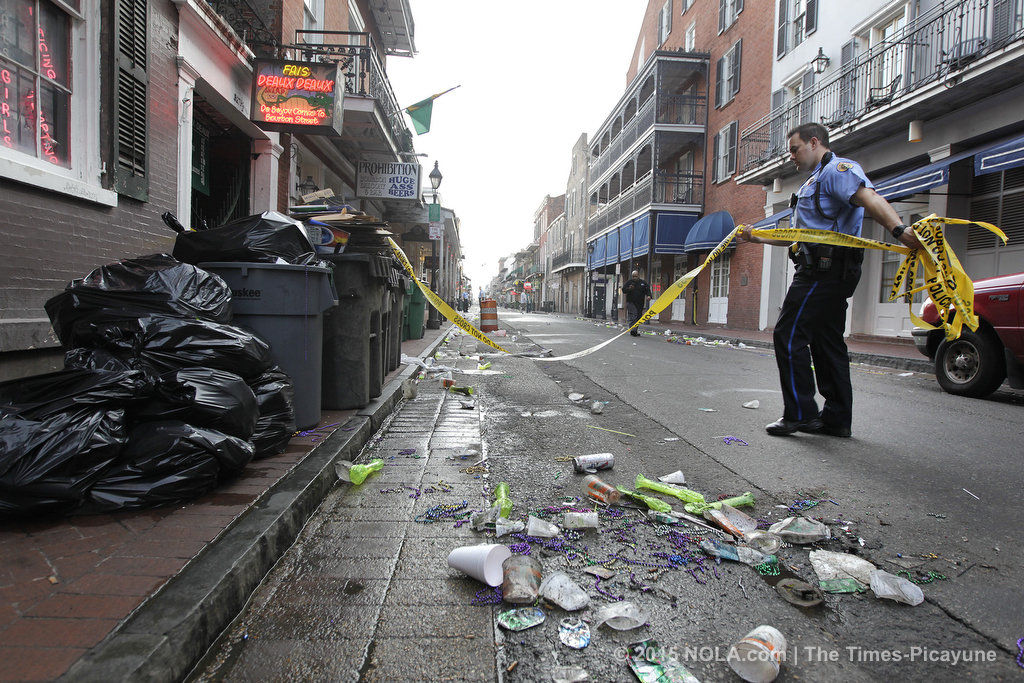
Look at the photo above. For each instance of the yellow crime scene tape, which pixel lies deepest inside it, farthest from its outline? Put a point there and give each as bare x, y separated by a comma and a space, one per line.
944, 278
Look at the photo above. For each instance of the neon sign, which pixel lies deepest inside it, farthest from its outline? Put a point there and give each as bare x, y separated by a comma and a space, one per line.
297, 97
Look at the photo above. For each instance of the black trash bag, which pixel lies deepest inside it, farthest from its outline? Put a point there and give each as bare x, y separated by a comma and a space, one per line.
166, 463
130, 288
41, 396
161, 344
203, 397
47, 465
275, 395
262, 238
95, 359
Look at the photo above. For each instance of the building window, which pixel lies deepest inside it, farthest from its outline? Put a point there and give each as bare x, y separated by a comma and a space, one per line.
35, 80
728, 74
724, 161
728, 10
665, 22
687, 4
797, 19
691, 37
640, 55
720, 277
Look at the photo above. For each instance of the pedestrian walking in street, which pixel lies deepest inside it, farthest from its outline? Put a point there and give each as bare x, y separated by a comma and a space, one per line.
638, 295
813, 317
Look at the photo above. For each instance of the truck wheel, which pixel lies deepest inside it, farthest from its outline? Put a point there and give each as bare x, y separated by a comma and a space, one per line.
972, 365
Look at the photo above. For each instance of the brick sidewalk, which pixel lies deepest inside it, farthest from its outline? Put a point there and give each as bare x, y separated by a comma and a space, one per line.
66, 584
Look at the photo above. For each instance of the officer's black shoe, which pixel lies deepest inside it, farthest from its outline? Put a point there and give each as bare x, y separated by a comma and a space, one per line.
835, 430
784, 427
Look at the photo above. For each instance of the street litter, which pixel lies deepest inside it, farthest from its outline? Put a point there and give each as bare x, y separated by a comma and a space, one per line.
465, 391
596, 408
756, 657
484, 366
482, 562
708, 410
621, 616
479, 520
593, 462
651, 502
730, 440
580, 520
842, 586
676, 477
600, 491
765, 541
671, 438
467, 405
575, 396
356, 474
521, 618
737, 501
538, 528
599, 571
605, 429
559, 589
731, 520
521, 582
502, 501
891, 587
683, 494
799, 593
574, 633
446, 382
755, 404
653, 664
502, 526
829, 566
736, 553
800, 530
409, 389
569, 674
970, 494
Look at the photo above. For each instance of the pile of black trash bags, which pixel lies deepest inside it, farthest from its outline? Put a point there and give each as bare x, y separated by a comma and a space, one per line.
161, 398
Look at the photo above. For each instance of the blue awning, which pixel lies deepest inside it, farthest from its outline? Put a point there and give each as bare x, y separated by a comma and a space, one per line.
773, 220
1000, 157
611, 254
920, 179
596, 257
709, 231
671, 232
626, 240
641, 235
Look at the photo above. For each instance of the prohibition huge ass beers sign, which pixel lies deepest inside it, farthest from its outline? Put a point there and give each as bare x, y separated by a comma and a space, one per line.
297, 97
387, 180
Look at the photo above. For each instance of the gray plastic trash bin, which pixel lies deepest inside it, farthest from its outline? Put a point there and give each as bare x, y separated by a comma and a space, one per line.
283, 304
356, 331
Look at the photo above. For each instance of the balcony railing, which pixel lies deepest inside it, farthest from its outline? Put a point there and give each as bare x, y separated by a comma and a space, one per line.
566, 257
364, 74
632, 199
245, 21
934, 47
679, 188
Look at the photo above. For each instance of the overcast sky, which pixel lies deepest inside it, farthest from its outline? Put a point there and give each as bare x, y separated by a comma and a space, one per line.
535, 74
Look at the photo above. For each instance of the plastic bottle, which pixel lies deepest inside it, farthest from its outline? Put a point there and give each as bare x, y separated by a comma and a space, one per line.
598, 490
502, 500
359, 473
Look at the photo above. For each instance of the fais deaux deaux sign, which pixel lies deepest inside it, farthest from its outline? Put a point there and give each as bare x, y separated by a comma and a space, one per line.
297, 97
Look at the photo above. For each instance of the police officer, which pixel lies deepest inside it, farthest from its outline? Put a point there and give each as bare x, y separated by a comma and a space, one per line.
813, 318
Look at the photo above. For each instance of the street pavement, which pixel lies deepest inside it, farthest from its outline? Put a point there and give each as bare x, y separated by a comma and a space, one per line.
928, 483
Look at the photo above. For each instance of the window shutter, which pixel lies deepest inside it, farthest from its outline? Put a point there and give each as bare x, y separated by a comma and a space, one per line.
733, 135
131, 85
805, 96
1002, 13
668, 17
781, 33
846, 95
811, 17
739, 6
719, 82
737, 60
661, 25
721, 14
714, 159
778, 97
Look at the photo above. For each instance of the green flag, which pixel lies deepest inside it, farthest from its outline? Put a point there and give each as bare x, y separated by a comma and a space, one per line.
420, 112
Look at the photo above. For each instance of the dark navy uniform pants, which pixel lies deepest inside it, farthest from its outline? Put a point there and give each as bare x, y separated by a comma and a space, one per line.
810, 328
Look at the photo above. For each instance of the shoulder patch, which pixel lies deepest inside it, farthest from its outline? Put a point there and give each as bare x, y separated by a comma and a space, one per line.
843, 166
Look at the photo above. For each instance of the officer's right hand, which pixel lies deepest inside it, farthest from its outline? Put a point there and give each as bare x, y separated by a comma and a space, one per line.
746, 233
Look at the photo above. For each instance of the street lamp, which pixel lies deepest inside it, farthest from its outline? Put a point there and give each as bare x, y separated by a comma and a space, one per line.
434, 319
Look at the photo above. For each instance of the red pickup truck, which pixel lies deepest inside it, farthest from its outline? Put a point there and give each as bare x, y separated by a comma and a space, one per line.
976, 363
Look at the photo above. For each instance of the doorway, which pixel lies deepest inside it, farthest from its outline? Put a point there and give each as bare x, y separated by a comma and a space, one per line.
221, 162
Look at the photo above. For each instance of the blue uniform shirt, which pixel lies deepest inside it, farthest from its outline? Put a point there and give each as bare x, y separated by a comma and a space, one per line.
840, 179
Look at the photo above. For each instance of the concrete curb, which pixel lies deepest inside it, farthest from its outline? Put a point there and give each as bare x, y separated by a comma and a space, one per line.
171, 631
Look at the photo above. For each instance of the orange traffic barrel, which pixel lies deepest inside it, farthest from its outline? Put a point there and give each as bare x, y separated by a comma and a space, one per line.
488, 315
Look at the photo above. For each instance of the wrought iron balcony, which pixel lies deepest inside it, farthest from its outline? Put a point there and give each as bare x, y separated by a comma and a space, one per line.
567, 257
940, 46
247, 23
365, 75
629, 201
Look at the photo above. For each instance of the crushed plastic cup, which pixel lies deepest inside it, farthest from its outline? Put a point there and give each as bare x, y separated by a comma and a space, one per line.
753, 405
757, 656
521, 582
765, 541
480, 519
598, 490
357, 474
482, 562
569, 674
732, 520
596, 408
562, 591
800, 530
621, 616
580, 520
575, 396
829, 566
676, 477
521, 618
409, 389
541, 529
654, 664
892, 587
502, 526
574, 633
